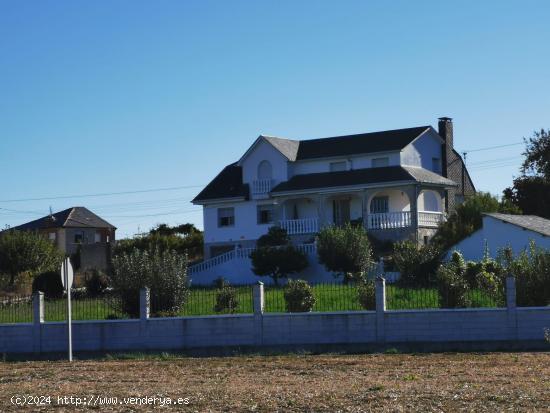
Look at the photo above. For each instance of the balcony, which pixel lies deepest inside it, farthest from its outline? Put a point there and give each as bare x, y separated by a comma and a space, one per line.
389, 220
300, 226
392, 220
262, 186
430, 219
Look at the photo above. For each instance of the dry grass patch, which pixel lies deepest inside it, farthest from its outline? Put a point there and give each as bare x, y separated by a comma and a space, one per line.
325, 383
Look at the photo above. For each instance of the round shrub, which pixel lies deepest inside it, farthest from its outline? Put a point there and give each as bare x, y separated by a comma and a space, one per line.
452, 286
226, 300
49, 283
299, 296
165, 273
96, 283
366, 294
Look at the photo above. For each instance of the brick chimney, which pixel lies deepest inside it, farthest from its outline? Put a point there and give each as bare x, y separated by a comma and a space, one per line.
445, 126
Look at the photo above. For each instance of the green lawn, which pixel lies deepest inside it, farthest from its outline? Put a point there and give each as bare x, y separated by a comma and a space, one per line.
201, 301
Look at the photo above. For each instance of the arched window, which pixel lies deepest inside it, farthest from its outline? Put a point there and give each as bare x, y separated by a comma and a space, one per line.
264, 170
430, 201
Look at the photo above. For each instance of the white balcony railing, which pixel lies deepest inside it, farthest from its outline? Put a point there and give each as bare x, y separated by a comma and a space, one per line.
403, 219
430, 219
300, 226
389, 220
261, 186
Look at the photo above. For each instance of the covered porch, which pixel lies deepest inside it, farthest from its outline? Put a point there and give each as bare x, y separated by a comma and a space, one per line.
378, 209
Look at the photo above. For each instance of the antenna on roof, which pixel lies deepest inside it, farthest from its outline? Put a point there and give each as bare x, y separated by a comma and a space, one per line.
52, 218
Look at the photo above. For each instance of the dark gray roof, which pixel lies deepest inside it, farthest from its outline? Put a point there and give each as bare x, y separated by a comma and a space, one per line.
75, 217
530, 222
390, 140
361, 177
228, 184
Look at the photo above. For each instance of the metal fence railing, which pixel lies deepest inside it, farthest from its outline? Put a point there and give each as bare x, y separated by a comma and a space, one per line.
204, 301
416, 298
15, 309
102, 307
207, 301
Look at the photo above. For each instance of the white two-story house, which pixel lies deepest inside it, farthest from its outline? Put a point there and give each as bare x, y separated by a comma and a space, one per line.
399, 184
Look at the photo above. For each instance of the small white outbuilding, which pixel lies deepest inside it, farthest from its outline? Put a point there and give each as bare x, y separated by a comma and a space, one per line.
504, 230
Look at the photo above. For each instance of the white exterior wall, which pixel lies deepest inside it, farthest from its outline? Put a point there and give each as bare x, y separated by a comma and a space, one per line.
246, 223
398, 200
264, 151
430, 201
353, 162
498, 235
422, 150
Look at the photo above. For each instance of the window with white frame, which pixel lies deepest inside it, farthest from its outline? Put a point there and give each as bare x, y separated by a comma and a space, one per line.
338, 166
380, 162
379, 205
52, 236
97, 237
226, 217
265, 214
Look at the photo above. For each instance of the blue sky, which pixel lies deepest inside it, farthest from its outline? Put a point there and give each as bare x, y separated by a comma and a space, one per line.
103, 97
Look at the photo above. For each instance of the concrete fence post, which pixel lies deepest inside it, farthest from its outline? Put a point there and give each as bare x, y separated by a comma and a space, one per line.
380, 291
511, 292
259, 306
511, 307
258, 297
144, 303
38, 307
37, 320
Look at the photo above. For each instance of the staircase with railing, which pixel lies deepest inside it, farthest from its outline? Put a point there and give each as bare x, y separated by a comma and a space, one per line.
237, 254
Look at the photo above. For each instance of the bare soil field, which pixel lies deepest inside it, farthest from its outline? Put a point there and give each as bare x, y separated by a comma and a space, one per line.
492, 382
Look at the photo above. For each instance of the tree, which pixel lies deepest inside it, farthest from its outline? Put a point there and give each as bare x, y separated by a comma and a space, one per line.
345, 251
184, 239
22, 251
165, 273
468, 218
537, 155
276, 257
531, 191
531, 194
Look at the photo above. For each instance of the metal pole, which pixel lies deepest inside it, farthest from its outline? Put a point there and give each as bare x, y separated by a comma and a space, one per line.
69, 315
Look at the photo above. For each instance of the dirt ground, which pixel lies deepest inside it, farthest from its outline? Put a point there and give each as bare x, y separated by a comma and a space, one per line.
492, 382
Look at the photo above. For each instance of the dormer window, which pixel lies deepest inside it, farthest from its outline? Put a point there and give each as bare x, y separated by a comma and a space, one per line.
338, 166
380, 162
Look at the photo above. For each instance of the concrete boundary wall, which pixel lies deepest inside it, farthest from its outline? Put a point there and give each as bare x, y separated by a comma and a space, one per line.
511, 327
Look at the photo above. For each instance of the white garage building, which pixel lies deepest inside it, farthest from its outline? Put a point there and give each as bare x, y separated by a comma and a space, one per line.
504, 230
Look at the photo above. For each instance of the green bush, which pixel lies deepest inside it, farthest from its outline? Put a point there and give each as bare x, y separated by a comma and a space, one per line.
49, 283
165, 273
96, 283
417, 265
366, 294
275, 257
345, 251
532, 271
26, 252
299, 296
226, 300
452, 284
